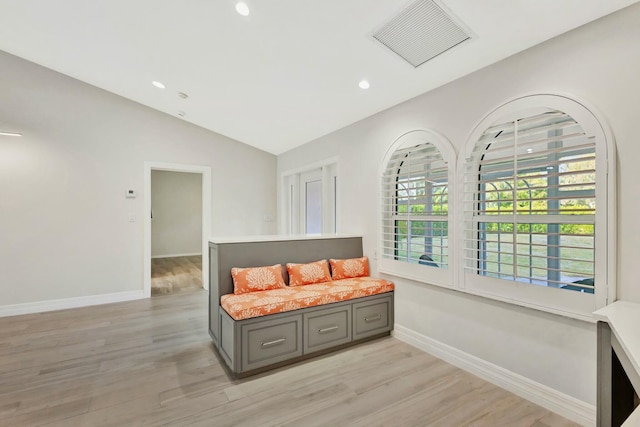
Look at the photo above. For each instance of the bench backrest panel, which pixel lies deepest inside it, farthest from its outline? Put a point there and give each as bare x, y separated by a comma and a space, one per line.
256, 254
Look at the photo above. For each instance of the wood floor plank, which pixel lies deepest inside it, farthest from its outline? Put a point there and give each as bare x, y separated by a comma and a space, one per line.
267, 409
151, 363
54, 412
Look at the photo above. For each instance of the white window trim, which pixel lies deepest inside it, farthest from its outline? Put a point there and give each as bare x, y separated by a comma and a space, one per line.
436, 276
330, 199
571, 304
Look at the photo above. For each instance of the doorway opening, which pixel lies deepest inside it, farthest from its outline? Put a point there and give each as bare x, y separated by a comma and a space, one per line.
177, 224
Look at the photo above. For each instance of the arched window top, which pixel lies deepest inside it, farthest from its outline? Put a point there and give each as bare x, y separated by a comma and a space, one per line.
534, 111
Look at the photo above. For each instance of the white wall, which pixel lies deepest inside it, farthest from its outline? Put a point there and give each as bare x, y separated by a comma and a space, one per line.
176, 203
599, 63
64, 219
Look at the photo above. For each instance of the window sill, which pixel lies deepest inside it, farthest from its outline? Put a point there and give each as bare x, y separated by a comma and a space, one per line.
584, 316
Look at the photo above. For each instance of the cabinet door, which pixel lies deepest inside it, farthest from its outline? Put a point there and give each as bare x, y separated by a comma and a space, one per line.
371, 317
327, 328
271, 341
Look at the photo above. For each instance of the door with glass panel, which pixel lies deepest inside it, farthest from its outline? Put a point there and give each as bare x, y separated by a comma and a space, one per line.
311, 202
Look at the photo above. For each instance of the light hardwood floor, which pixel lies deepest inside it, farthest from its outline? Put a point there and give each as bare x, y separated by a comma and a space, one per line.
151, 362
176, 274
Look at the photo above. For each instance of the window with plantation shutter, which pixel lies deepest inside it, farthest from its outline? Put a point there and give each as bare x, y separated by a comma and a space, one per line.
536, 209
415, 208
534, 214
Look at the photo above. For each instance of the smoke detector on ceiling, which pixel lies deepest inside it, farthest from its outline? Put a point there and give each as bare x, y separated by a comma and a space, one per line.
421, 32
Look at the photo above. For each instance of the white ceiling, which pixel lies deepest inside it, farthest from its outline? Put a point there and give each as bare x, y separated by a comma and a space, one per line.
283, 76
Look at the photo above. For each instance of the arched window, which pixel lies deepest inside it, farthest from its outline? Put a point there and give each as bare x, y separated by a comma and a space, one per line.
538, 206
415, 236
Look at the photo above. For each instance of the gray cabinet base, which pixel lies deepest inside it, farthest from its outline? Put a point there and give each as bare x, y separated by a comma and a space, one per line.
254, 345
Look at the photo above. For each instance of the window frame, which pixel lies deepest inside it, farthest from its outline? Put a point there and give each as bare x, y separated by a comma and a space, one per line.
419, 272
558, 301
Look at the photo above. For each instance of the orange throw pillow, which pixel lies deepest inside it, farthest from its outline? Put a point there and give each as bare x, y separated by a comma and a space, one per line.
254, 279
308, 274
348, 268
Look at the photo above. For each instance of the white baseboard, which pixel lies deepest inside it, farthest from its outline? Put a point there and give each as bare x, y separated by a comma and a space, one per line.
61, 304
540, 394
175, 255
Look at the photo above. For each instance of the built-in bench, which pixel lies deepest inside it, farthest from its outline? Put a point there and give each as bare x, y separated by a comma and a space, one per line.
265, 329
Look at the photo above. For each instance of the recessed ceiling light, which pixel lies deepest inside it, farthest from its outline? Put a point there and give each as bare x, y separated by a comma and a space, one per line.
242, 8
10, 134
182, 113
182, 95
529, 150
364, 84
158, 84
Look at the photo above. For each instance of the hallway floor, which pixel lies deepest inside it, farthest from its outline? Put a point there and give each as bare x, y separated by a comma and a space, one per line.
176, 275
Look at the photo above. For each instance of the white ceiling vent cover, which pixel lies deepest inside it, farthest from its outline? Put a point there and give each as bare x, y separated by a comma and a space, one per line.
421, 32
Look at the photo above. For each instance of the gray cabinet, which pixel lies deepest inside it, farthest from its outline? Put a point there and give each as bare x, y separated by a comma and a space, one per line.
256, 344
327, 328
371, 317
260, 342
271, 341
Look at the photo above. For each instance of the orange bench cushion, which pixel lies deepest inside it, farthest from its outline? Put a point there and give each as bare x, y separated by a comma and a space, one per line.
262, 303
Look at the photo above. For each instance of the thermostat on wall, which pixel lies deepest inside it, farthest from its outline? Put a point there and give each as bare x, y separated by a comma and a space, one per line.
131, 194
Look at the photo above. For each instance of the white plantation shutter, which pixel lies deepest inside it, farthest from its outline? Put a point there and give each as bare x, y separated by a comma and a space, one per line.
415, 202
530, 202
527, 217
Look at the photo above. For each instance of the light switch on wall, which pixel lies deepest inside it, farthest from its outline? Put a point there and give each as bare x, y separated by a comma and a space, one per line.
131, 194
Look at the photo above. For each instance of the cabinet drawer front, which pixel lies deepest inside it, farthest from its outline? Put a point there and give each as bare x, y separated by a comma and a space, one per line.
327, 328
370, 318
270, 342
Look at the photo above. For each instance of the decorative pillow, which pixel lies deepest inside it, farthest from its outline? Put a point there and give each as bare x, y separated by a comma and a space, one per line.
348, 268
308, 274
254, 279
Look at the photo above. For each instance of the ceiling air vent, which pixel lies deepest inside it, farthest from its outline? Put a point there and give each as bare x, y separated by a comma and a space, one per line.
421, 32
